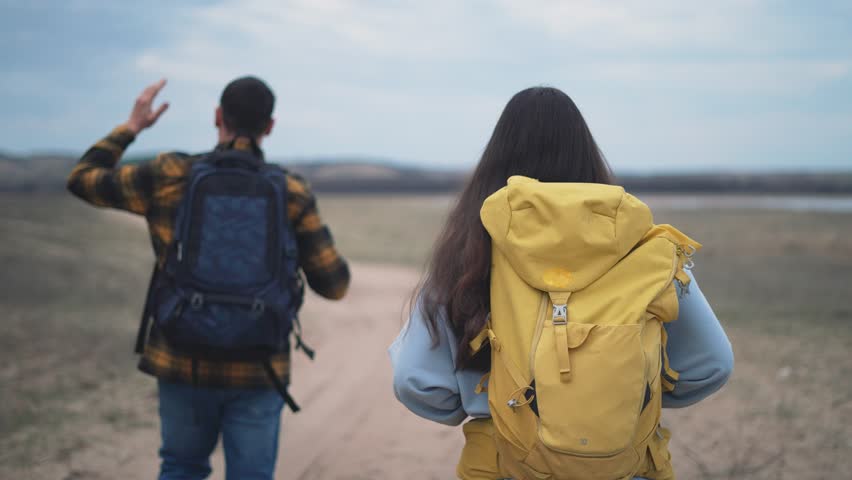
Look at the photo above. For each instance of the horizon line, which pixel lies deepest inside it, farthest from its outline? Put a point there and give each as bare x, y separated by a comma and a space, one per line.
365, 159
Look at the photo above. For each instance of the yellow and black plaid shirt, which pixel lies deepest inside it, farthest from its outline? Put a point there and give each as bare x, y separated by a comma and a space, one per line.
154, 189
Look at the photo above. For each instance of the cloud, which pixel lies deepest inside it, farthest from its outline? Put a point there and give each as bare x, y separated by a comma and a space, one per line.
313, 33
349, 75
386, 78
779, 77
658, 80
383, 29
640, 25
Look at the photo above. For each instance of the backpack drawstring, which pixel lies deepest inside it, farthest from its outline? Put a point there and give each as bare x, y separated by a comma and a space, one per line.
514, 401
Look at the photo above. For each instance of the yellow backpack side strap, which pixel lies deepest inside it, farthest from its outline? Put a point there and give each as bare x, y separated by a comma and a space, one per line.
482, 386
686, 247
669, 376
475, 346
479, 340
487, 335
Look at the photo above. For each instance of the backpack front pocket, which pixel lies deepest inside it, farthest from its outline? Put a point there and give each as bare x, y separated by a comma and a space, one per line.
593, 412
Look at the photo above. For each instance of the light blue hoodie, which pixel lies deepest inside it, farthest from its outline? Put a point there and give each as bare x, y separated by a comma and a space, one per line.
426, 380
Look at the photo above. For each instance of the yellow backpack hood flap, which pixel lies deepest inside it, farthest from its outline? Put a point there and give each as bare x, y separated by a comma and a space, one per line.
563, 236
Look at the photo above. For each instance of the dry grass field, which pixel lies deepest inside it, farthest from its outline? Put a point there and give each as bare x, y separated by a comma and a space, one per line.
74, 406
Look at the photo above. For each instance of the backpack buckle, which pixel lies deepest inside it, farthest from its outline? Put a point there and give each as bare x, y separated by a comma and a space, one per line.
196, 301
258, 306
687, 252
560, 314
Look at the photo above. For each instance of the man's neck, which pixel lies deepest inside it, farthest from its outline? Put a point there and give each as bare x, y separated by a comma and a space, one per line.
225, 138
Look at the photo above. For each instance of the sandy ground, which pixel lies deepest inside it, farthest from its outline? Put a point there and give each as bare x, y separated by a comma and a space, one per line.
350, 426
786, 413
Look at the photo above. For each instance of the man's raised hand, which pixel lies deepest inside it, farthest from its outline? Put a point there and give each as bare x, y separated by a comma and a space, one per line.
143, 116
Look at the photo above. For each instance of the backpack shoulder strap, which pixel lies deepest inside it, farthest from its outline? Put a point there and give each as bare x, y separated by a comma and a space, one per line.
296, 282
147, 312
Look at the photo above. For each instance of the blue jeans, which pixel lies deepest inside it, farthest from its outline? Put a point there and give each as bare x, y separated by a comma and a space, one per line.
192, 418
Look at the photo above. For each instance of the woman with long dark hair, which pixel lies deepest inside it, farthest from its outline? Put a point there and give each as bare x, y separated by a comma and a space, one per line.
542, 135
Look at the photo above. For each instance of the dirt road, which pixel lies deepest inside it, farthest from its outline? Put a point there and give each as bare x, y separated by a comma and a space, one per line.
351, 426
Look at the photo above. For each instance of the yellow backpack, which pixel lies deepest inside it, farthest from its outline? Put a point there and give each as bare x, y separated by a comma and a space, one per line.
581, 283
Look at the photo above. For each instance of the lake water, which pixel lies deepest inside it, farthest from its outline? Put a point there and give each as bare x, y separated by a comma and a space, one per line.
680, 201
794, 203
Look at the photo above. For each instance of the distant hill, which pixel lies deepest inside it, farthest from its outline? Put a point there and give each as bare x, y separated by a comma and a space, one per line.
358, 176
48, 173
34, 173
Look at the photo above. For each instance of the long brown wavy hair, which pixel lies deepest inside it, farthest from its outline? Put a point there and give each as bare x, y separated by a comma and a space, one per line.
540, 134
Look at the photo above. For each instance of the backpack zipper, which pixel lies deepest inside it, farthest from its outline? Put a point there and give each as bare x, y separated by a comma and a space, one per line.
539, 327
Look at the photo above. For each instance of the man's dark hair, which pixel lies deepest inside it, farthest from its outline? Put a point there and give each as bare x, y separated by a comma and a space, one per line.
247, 104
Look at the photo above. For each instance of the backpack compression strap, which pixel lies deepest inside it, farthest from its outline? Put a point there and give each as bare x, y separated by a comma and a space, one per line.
300, 344
560, 333
519, 397
282, 389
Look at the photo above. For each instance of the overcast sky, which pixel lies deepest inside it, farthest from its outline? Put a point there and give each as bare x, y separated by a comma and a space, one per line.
664, 84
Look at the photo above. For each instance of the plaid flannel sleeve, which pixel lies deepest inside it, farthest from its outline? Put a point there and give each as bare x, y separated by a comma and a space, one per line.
325, 270
97, 180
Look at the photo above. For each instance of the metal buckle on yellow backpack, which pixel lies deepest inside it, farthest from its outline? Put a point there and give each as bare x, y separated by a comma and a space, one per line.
560, 314
688, 252
560, 334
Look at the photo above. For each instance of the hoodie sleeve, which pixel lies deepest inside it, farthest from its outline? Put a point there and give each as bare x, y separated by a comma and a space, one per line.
424, 378
698, 349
